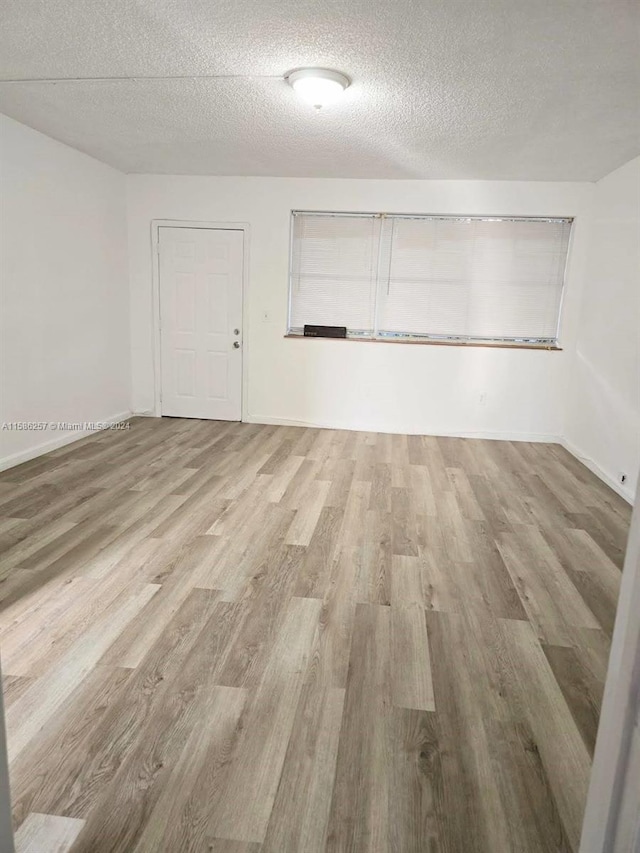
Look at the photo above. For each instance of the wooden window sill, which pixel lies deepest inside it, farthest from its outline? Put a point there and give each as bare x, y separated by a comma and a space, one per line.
498, 345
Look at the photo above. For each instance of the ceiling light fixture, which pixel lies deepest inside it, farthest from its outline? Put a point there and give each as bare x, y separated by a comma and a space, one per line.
318, 86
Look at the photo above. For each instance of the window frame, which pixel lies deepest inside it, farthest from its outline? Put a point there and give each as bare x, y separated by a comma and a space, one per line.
437, 340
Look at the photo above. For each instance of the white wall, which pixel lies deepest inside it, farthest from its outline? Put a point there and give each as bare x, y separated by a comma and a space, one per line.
65, 293
355, 385
603, 409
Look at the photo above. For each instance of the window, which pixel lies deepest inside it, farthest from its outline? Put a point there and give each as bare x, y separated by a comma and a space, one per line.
443, 278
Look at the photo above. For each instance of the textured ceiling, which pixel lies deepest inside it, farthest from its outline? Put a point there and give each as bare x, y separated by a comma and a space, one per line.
496, 89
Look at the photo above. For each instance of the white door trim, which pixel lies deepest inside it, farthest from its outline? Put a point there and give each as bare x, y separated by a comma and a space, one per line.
604, 823
156, 224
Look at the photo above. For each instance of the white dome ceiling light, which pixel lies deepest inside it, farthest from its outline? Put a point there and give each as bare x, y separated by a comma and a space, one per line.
318, 86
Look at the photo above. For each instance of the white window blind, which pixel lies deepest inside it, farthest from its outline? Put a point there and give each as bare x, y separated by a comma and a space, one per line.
334, 271
460, 278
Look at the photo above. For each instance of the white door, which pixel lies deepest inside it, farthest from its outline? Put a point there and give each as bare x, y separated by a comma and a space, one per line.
201, 322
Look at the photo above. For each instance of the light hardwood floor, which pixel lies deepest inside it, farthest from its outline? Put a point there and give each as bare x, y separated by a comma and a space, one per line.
239, 638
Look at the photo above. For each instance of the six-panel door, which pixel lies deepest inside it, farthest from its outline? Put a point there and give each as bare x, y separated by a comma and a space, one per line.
201, 322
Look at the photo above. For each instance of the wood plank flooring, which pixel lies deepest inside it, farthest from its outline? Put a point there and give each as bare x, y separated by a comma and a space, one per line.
240, 638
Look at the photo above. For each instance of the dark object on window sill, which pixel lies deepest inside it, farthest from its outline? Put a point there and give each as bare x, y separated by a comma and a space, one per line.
325, 331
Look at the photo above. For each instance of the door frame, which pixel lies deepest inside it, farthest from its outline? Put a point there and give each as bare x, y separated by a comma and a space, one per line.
603, 820
156, 225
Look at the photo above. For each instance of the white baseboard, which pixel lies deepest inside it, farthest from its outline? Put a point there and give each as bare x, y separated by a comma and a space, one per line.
59, 441
494, 436
625, 490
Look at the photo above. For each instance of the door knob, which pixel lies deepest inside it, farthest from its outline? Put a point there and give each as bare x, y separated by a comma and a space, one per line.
236, 344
